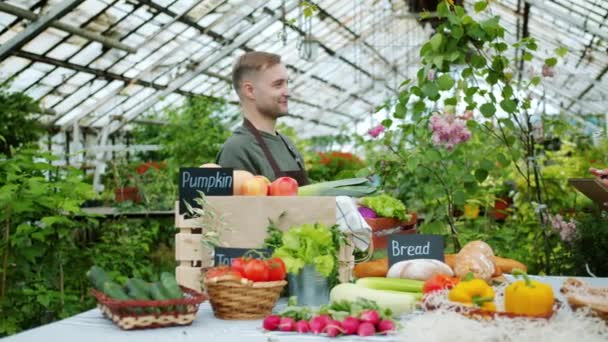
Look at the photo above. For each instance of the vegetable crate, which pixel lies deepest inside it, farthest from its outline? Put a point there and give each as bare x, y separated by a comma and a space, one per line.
245, 220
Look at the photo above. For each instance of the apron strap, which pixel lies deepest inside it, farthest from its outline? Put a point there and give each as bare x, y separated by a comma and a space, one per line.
260, 140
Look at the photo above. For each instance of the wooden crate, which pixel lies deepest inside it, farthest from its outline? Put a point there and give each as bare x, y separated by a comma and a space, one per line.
247, 219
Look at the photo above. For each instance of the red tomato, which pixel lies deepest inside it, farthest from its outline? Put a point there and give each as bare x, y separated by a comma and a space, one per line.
238, 264
439, 282
276, 268
256, 270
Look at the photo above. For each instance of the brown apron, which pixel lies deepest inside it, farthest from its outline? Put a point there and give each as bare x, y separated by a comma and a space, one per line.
299, 175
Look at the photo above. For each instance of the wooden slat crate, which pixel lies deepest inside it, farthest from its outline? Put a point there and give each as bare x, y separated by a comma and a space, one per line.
246, 219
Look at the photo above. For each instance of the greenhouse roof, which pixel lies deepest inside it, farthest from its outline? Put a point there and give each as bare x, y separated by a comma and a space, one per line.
106, 63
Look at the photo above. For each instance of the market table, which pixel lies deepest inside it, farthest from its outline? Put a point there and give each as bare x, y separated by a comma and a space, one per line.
91, 326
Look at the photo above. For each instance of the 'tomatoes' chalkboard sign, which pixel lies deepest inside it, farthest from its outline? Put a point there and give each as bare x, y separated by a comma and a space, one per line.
211, 181
414, 246
224, 255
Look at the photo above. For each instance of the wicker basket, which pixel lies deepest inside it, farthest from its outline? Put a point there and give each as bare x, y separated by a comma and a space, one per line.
231, 300
145, 314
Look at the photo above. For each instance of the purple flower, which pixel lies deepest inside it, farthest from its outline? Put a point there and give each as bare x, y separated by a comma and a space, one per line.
448, 130
565, 229
375, 132
548, 71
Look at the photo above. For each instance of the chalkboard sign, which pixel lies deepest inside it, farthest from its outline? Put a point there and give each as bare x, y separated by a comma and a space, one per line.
224, 255
414, 246
211, 181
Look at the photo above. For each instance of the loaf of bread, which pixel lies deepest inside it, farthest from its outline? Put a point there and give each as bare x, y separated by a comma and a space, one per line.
475, 257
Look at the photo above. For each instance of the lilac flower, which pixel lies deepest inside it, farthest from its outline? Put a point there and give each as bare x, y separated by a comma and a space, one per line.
376, 131
566, 230
448, 130
548, 71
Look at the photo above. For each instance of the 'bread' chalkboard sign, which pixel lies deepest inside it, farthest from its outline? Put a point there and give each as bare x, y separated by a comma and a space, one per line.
211, 181
414, 246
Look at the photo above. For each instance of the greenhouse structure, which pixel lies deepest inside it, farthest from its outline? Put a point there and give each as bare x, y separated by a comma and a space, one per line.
291, 170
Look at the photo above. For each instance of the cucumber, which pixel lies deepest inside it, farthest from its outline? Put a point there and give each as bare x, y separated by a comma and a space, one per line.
138, 289
98, 277
172, 289
158, 291
114, 290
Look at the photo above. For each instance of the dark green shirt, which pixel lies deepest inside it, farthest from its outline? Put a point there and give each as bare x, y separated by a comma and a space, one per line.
242, 152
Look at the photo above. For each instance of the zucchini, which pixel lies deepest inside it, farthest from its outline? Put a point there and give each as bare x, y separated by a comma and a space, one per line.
170, 284
98, 277
391, 284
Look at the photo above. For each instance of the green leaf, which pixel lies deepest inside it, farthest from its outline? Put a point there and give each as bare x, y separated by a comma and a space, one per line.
508, 106
481, 175
442, 9
419, 107
44, 300
430, 89
502, 159
457, 32
445, 82
487, 109
434, 227
436, 41
416, 91
551, 61
535, 80
459, 197
412, 164
527, 56
500, 47
467, 19
486, 164
480, 6
466, 72
387, 123
507, 92
405, 82
478, 61
400, 111
561, 51
471, 91
452, 101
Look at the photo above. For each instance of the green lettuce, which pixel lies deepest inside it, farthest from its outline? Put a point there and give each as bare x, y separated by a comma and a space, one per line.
308, 244
386, 206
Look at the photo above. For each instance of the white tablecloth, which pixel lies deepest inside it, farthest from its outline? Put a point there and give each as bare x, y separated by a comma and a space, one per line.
91, 326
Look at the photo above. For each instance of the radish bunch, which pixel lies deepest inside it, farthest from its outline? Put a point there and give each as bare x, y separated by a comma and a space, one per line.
368, 323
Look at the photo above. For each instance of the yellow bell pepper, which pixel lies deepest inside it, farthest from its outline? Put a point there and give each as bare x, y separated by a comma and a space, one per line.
528, 297
472, 291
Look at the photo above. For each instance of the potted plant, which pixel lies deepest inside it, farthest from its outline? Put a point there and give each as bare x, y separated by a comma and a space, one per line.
503, 200
386, 215
124, 187
310, 255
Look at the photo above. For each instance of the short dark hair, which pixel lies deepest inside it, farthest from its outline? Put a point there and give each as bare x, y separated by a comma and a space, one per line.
252, 62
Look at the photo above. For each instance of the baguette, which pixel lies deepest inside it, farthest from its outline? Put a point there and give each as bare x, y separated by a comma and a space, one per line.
374, 268
503, 265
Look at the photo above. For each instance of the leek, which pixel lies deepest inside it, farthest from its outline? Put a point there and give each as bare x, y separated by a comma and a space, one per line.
353, 187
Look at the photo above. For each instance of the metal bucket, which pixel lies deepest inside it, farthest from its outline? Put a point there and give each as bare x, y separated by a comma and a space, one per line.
311, 287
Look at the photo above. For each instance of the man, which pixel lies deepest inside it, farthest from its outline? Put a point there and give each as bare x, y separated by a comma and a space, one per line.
260, 81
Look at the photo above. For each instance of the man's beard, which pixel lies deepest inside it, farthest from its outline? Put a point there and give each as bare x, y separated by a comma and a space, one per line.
274, 113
